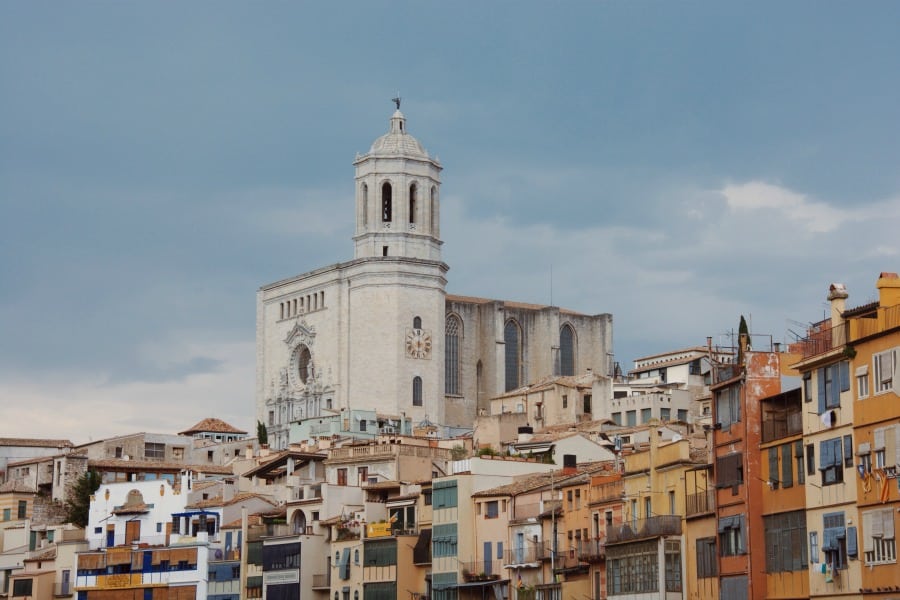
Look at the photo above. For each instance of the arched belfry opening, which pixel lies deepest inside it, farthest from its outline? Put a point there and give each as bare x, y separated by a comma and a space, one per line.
413, 190
386, 202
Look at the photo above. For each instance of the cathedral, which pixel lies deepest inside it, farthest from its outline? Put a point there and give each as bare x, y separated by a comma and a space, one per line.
380, 335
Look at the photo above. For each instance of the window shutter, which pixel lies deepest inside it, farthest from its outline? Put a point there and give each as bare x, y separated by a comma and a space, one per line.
895, 383
869, 530
820, 389
887, 366
879, 438
897, 443
887, 524
876, 525
852, 547
773, 465
787, 467
836, 385
844, 368
826, 455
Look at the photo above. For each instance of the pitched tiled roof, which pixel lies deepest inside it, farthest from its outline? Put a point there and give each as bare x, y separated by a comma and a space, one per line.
539, 480
154, 465
36, 459
217, 500
211, 425
35, 443
16, 487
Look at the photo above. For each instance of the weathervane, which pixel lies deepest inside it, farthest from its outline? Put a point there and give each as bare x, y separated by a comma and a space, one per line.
396, 100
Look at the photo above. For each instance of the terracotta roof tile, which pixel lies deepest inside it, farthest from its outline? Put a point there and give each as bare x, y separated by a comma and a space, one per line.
16, 486
153, 465
35, 443
211, 425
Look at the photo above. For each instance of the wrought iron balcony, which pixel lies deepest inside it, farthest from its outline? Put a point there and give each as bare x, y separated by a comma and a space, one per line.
639, 529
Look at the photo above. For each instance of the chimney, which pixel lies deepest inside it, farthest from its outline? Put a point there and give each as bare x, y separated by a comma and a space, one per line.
837, 295
888, 289
526, 433
570, 464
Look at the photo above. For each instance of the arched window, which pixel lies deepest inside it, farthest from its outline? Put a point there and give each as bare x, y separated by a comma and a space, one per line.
512, 336
356, 595
386, 202
365, 204
356, 557
417, 323
303, 361
412, 203
566, 350
434, 210
299, 522
451, 355
417, 391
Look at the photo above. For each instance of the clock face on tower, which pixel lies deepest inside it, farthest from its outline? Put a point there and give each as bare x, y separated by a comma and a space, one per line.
418, 343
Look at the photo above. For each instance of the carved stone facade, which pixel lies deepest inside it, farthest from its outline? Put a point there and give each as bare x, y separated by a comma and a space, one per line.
372, 333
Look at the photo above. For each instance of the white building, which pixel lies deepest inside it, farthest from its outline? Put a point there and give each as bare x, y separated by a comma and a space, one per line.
380, 332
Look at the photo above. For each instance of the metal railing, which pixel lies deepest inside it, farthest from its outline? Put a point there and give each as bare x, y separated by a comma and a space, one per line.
591, 550
528, 554
700, 502
644, 528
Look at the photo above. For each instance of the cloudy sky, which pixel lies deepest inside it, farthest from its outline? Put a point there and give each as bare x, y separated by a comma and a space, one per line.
674, 164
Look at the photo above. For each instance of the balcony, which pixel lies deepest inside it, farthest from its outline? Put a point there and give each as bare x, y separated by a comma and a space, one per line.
592, 551
820, 338
478, 570
606, 492
321, 581
61, 590
528, 555
640, 529
700, 503
782, 416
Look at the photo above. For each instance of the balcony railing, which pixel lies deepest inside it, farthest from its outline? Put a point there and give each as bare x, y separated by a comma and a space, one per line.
321, 580
782, 424
644, 528
606, 492
529, 554
821, 338
701, 502
592, 550
63, 589
888, 319
480, 570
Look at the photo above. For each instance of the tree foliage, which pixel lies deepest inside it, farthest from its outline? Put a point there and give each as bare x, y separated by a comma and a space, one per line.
262, 436
78, 505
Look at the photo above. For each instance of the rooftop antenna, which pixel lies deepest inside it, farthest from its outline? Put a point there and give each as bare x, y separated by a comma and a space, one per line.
551, 284
396, 100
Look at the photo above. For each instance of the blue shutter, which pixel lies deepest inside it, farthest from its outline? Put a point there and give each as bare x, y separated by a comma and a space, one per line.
844, 368
836, 387
820, 380
852, 549
826, 455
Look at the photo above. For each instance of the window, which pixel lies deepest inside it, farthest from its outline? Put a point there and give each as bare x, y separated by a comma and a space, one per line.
565, 401
834, 540
617, 418
386, 202
785, 541
444, 539
879, 545
798, 459
848, 451
154, 450
7, 514
281, 556
728, 406
412, 203
363, 424
732, 540
682, 415
342, 476
832, 380
707, 564
730, 471
417, 391
22, 509
382, 553
810, 459
22, 587
883, 365
451, 355
417, 322
362, 475
118, 451
673, 565
631, 418
566, 350
807, 387
444, 494
303, 359
586, 404
645, 415
862, 382
813, 546
632, 568
491, 509
512, 339
831, 462
665, 414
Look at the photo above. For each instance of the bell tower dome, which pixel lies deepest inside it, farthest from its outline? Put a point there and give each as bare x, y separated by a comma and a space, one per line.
397, 197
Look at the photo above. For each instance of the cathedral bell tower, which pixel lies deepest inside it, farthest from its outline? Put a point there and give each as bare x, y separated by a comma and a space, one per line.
397, 197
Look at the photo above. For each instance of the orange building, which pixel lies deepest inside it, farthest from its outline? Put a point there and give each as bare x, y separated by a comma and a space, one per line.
874, 336
738, 389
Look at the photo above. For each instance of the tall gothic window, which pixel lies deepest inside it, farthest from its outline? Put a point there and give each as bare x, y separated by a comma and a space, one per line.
386, 202
365, 204
512, 336
303, 361
434, 211
417, 391
412, 203
566, 350
451, 355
